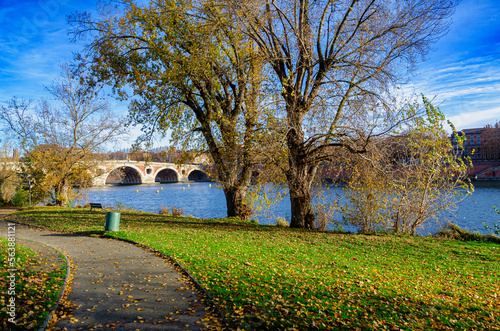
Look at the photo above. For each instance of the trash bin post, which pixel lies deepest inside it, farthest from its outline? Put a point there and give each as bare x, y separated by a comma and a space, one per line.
112, 221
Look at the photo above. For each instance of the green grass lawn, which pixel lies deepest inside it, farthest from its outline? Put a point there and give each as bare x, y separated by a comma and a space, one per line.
37, 288
265, 277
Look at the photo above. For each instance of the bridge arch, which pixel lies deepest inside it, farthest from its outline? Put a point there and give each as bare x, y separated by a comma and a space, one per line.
167, 175
125, 175
197, 175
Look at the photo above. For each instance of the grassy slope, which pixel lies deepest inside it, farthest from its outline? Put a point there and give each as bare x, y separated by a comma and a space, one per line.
37, 288
275, 278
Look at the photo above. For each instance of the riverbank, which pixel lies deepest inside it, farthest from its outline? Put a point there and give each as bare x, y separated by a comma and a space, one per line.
204, 200
266, 277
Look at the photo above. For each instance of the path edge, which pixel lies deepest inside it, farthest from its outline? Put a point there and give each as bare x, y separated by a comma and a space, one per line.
66, 279
146, 247
179, 265
61, 293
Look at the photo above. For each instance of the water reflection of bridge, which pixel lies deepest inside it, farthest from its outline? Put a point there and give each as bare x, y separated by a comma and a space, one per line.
136, 172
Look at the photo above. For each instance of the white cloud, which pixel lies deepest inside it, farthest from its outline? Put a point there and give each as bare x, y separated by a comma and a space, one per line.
463, 91
476, 119
466, 89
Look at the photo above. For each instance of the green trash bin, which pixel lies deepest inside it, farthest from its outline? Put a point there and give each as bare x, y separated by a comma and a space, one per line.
112, 221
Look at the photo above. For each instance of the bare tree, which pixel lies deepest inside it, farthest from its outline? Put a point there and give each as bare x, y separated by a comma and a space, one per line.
60, 140
335, 63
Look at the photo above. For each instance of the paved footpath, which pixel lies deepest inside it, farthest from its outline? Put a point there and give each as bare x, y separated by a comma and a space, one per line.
119, 285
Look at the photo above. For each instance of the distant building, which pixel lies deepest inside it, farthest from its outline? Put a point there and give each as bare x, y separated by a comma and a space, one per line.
472, 143
481, 144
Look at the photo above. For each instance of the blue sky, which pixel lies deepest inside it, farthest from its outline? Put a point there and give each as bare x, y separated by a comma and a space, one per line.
462, 74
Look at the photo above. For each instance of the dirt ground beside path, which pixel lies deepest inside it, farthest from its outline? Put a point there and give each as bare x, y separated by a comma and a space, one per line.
117, 285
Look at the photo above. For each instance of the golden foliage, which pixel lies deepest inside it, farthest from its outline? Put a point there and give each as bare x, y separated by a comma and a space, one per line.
404, 181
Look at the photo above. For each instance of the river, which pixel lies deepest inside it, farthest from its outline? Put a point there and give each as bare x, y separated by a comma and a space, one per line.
204, 200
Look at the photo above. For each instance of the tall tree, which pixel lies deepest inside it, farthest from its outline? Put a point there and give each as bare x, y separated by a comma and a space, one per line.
59, 141
335, 63
200, 80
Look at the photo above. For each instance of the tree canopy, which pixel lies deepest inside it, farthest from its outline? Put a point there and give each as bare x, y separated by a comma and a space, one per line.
330, 68
491, 142
184, 68
336, 64
59, 138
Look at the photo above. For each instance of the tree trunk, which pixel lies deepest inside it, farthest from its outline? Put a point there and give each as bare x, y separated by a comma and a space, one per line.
396, 221
235, 184
61, 192
235, 202
302, 214
300, 201
299, 177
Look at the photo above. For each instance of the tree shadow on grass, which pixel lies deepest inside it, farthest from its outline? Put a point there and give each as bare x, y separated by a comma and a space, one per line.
54, 217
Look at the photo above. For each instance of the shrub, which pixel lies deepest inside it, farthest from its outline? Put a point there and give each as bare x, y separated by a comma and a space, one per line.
164, 211
324, 215
122, 207
20, 199
282, 222
177, 211
405, 180
174, 211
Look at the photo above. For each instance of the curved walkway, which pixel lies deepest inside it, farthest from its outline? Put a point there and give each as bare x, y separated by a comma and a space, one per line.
119, 285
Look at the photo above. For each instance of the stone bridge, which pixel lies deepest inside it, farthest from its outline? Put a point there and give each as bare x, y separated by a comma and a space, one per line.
140, 172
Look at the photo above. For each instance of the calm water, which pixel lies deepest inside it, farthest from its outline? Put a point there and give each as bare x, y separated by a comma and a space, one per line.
203, 200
